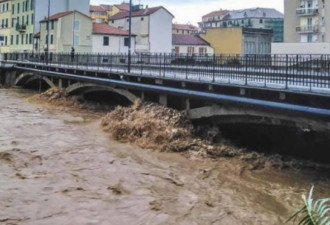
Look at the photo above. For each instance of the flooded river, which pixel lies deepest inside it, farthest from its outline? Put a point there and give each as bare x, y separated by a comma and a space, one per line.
57, 167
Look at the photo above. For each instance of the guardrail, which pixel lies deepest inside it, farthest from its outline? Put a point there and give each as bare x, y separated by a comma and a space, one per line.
296, 72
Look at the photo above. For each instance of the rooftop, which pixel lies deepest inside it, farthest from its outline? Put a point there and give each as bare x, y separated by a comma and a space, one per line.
97, 8
216, 13
60, 15
141, 12
103, 28
187, 39
184, 27
123, 7
254, 13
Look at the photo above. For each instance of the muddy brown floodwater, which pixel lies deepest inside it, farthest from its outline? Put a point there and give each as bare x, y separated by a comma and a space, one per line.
58, 167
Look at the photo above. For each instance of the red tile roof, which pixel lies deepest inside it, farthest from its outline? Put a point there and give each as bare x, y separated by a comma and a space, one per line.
186, 39
216, 13
37, 35
123, 7
141, 12
97, 8
184, 27
103, 28
60, 15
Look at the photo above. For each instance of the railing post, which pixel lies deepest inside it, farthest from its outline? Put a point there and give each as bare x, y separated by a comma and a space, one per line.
164, 65
286, 70
246, 69
187, 66
213, 69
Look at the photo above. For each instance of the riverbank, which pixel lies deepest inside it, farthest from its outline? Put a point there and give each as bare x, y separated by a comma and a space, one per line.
59, 167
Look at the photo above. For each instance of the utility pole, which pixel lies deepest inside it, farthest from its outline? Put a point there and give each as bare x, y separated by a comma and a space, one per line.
129, 36
47, 48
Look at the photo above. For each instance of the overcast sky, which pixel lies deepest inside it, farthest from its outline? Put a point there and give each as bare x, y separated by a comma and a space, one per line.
192, 10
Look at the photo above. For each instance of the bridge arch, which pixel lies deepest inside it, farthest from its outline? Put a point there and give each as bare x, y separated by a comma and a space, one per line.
88, 88
26, 78
227, 115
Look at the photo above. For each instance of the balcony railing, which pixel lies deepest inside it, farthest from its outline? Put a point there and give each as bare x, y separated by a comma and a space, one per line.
307, 11
308, 29
21, 27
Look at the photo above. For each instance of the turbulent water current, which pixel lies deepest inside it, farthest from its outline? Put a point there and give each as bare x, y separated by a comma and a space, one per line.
57, 167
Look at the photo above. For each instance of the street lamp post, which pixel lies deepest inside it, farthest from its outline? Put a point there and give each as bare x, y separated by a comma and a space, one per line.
129, 36
47, 48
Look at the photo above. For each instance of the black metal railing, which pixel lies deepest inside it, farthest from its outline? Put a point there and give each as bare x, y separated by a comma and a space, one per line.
296, 72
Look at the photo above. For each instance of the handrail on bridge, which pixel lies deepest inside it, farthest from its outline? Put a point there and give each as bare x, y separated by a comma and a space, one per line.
296, 72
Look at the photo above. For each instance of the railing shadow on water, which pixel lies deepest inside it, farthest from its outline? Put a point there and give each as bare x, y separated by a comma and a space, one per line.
305, 72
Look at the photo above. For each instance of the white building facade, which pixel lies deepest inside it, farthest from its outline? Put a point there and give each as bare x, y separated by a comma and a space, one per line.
108, 39
152, 26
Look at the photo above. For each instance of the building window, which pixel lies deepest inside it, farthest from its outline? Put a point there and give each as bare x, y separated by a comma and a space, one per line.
76, 40
27, 19
202, 51
51, 39
260, 21
309, 38
105, 41
26, 39
126, 41
191, 50
17, 39
52, 25
177, 50
32, 18
30, 39
323, 38
13, 9
76, 25
11, 39
142, 18
22, 39
18, 8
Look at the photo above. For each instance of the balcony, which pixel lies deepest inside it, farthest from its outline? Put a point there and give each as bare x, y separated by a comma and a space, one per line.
308, 29
21, 28
307, 11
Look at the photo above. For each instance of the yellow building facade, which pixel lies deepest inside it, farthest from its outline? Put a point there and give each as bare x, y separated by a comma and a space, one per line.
5, 25
22, 25
225, 40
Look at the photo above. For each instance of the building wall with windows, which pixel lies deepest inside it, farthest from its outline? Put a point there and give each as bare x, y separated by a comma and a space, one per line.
306, 21
23, 18
22, 25
103, 43
153, 27
5, 18
259, 18
72, 30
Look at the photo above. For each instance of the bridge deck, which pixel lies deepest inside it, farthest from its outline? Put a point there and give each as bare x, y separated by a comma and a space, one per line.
294, 80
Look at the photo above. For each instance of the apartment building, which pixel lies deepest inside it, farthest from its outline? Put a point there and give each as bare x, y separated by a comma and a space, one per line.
258, 18
184, 29
306, 21
66, 30
21, 20
5, 15
153, 27
212, 19
98, 13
